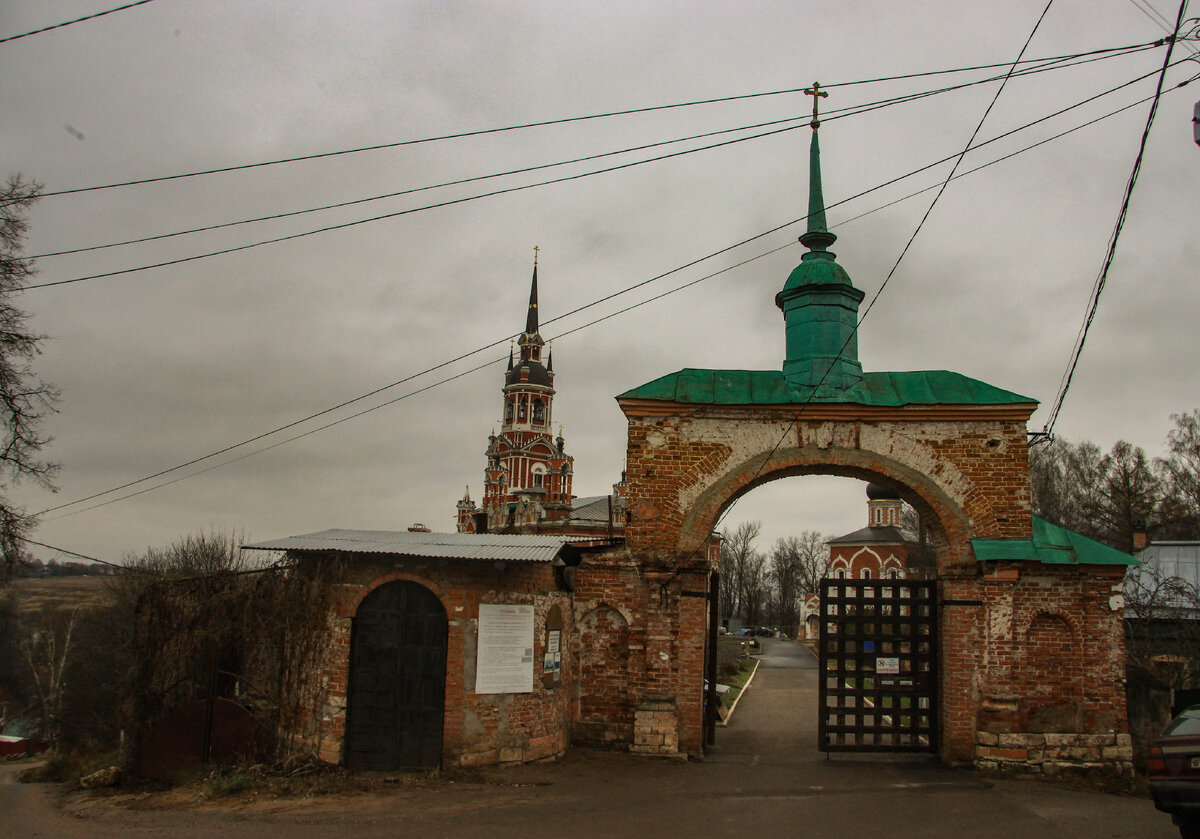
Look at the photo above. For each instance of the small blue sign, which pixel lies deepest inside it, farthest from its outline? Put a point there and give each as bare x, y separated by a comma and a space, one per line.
868, 646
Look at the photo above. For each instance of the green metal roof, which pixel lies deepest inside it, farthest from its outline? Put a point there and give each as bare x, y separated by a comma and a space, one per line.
769, 387
1051, 545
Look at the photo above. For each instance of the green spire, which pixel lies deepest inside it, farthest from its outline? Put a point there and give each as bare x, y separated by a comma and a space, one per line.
819, 302
817, 238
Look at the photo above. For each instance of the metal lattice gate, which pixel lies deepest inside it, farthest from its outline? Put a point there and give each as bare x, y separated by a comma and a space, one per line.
878, 666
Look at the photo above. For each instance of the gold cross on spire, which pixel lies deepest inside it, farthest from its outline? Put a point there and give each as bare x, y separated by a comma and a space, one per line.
536, 248
817, 94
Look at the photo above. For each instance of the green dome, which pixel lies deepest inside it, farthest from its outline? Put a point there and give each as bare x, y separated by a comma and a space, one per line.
817, 268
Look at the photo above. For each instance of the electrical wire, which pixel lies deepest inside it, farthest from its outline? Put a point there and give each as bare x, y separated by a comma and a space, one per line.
1117, 51
451, 202
614, 295
398, 213
426, 188
396, 399
72, 22
1156, 17
1110, 254
832, 115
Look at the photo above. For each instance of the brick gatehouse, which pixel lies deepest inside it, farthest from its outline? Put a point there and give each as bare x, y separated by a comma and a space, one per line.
1030, 634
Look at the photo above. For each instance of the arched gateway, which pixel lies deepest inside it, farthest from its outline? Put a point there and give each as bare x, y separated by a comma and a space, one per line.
953, 447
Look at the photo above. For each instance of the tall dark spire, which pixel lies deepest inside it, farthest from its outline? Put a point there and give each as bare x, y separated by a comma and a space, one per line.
531, 320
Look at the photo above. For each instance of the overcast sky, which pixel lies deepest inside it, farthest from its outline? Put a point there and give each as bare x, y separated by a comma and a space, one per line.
162, 366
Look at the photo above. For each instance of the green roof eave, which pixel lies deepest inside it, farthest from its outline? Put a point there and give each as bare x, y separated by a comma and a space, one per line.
1051, 545
769, 387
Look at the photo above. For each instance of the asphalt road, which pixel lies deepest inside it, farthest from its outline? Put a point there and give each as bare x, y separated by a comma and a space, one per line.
765, 778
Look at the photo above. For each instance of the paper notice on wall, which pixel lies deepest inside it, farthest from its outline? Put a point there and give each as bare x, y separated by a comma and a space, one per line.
504, 660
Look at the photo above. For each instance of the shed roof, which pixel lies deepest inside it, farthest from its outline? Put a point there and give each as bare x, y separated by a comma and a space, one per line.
1051, 545
769, 387
482, 546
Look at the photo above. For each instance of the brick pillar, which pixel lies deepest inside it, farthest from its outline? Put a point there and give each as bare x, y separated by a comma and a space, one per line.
959, 657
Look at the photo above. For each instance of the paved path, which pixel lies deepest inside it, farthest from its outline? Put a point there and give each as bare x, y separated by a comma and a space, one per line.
764, 779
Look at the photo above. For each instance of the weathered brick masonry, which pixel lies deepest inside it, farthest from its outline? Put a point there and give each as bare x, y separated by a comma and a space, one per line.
478, 729
1028, 653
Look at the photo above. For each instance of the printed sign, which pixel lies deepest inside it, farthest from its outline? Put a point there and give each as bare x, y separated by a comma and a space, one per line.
887, 666
504, 660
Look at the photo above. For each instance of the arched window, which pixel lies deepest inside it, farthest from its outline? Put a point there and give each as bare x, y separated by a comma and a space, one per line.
841, 575
521, 410
508, 410
866, 573
539, 411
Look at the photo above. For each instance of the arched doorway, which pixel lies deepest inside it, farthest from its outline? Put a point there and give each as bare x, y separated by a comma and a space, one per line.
397, 681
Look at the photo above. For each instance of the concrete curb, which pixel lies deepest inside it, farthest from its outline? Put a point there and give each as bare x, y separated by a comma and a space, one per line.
745, 687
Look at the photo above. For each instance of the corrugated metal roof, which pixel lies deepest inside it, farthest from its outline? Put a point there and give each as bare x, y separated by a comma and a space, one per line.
483, 546
594, 508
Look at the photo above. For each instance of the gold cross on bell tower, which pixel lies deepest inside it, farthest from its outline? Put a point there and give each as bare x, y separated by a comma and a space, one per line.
536, 249
817, 94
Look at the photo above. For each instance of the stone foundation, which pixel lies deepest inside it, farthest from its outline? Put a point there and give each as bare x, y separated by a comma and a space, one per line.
1051, 754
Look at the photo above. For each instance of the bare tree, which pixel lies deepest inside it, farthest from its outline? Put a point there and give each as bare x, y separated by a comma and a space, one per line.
1182, 466
47, 649
737, 562
1103, 496
797, 564
25, 400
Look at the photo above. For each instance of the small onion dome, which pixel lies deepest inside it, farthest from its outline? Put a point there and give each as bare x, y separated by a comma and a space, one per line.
537, 374
876, 492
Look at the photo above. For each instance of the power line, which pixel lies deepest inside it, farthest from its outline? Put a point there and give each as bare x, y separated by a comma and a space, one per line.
621, 292
1156, 17
1102, 278
834, 114
72, 22
465, 199
1129, 49
447, 203
29, 541
392, 401
427, 188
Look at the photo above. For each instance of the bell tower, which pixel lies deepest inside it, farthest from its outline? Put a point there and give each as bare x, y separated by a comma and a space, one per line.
528, 474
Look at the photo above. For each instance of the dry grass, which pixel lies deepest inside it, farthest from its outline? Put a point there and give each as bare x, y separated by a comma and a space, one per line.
57, 594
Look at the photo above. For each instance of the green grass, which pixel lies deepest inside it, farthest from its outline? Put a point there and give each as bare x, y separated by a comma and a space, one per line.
737, 681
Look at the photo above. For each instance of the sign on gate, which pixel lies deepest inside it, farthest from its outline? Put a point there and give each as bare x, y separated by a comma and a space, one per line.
878, 666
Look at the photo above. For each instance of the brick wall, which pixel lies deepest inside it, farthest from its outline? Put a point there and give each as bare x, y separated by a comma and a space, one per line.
1013, 656
478, 729
1052, 680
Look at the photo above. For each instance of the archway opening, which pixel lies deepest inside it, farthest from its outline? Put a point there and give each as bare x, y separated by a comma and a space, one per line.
781, 539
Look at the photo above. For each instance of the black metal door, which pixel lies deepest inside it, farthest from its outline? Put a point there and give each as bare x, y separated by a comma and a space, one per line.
878, 666
397, 691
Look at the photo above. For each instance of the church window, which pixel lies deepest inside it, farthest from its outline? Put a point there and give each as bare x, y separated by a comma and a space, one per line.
866, 572
539, 411
508, 410
521, 410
